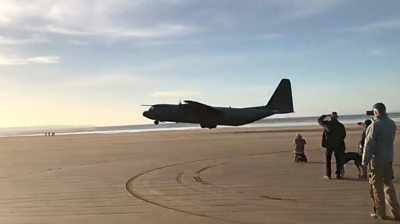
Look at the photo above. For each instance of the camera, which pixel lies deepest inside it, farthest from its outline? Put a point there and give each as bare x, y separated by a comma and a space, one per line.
370, 112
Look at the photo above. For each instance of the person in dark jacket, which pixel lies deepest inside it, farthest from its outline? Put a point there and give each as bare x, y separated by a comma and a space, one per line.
333, 141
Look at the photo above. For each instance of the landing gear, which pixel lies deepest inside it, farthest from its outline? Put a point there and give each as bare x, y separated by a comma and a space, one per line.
209, 126
156, 122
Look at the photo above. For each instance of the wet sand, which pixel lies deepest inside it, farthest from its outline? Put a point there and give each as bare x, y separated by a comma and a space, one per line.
238, 175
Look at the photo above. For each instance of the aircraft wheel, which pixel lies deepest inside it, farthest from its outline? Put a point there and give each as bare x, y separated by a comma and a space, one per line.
156, 122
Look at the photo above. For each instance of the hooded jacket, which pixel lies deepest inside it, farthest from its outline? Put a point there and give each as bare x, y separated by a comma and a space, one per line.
378, 144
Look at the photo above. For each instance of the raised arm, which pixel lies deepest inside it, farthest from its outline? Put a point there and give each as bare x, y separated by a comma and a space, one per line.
321, 120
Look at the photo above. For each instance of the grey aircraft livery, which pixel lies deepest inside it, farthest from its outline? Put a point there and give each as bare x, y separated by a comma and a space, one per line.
207, 116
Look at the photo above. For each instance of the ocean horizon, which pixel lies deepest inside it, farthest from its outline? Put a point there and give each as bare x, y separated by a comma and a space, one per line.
168, 126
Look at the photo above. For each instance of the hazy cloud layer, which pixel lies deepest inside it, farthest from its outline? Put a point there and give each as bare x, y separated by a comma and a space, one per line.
150, 19
121, 18
7, 41
32, 60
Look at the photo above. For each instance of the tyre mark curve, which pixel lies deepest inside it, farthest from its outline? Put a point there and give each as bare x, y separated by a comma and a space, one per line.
138, 196
143, 198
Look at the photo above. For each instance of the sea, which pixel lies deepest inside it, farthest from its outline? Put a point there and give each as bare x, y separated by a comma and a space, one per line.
267, 122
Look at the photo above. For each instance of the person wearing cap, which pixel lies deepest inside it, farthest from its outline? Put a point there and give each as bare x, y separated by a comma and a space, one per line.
366, 124
378, 154
333, 140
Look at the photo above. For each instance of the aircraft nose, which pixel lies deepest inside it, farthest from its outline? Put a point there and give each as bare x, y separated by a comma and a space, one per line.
145, 114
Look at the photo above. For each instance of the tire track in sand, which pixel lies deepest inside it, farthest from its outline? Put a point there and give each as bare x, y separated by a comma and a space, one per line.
197, 178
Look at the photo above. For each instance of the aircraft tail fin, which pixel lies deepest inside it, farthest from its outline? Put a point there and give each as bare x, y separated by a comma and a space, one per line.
281, 101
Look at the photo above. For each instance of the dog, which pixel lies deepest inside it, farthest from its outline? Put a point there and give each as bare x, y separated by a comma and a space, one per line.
357, 158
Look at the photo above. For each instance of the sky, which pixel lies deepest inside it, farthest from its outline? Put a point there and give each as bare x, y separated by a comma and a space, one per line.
95, 62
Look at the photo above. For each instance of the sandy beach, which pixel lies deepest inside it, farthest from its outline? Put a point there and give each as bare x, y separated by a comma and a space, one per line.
235, 175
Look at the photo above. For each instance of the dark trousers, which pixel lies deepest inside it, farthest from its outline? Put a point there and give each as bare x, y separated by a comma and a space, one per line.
339, 157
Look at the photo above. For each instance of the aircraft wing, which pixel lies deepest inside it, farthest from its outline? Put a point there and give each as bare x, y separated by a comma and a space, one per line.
202, 107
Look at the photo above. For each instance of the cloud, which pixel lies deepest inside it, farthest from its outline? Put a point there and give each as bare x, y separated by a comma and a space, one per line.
175, 94
151, 19
12, 41
4, 20
78, 42
27, 61
102, 18
10, 47
163, 30
44, 60
376, 27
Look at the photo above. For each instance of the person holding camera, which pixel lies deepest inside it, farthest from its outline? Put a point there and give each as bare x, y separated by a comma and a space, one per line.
333, 141
366, 124
378, 154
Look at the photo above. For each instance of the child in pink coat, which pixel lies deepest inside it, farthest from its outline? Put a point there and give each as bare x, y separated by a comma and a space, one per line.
299, 143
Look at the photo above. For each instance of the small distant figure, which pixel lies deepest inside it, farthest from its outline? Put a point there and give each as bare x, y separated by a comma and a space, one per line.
299, 145
53, 134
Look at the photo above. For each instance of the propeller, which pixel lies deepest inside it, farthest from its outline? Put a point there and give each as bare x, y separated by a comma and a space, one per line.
146, 105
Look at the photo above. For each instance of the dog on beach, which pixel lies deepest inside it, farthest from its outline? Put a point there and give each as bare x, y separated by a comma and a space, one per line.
357, 158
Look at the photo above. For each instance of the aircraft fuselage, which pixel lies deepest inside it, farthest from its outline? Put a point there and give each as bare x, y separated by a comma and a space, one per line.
227, 116
207, 116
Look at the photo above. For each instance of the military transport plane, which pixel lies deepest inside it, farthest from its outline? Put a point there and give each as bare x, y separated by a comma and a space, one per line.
207, 116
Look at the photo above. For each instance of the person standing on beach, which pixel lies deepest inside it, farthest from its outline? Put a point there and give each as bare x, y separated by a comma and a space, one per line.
361, 146
333, 141
378, 154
